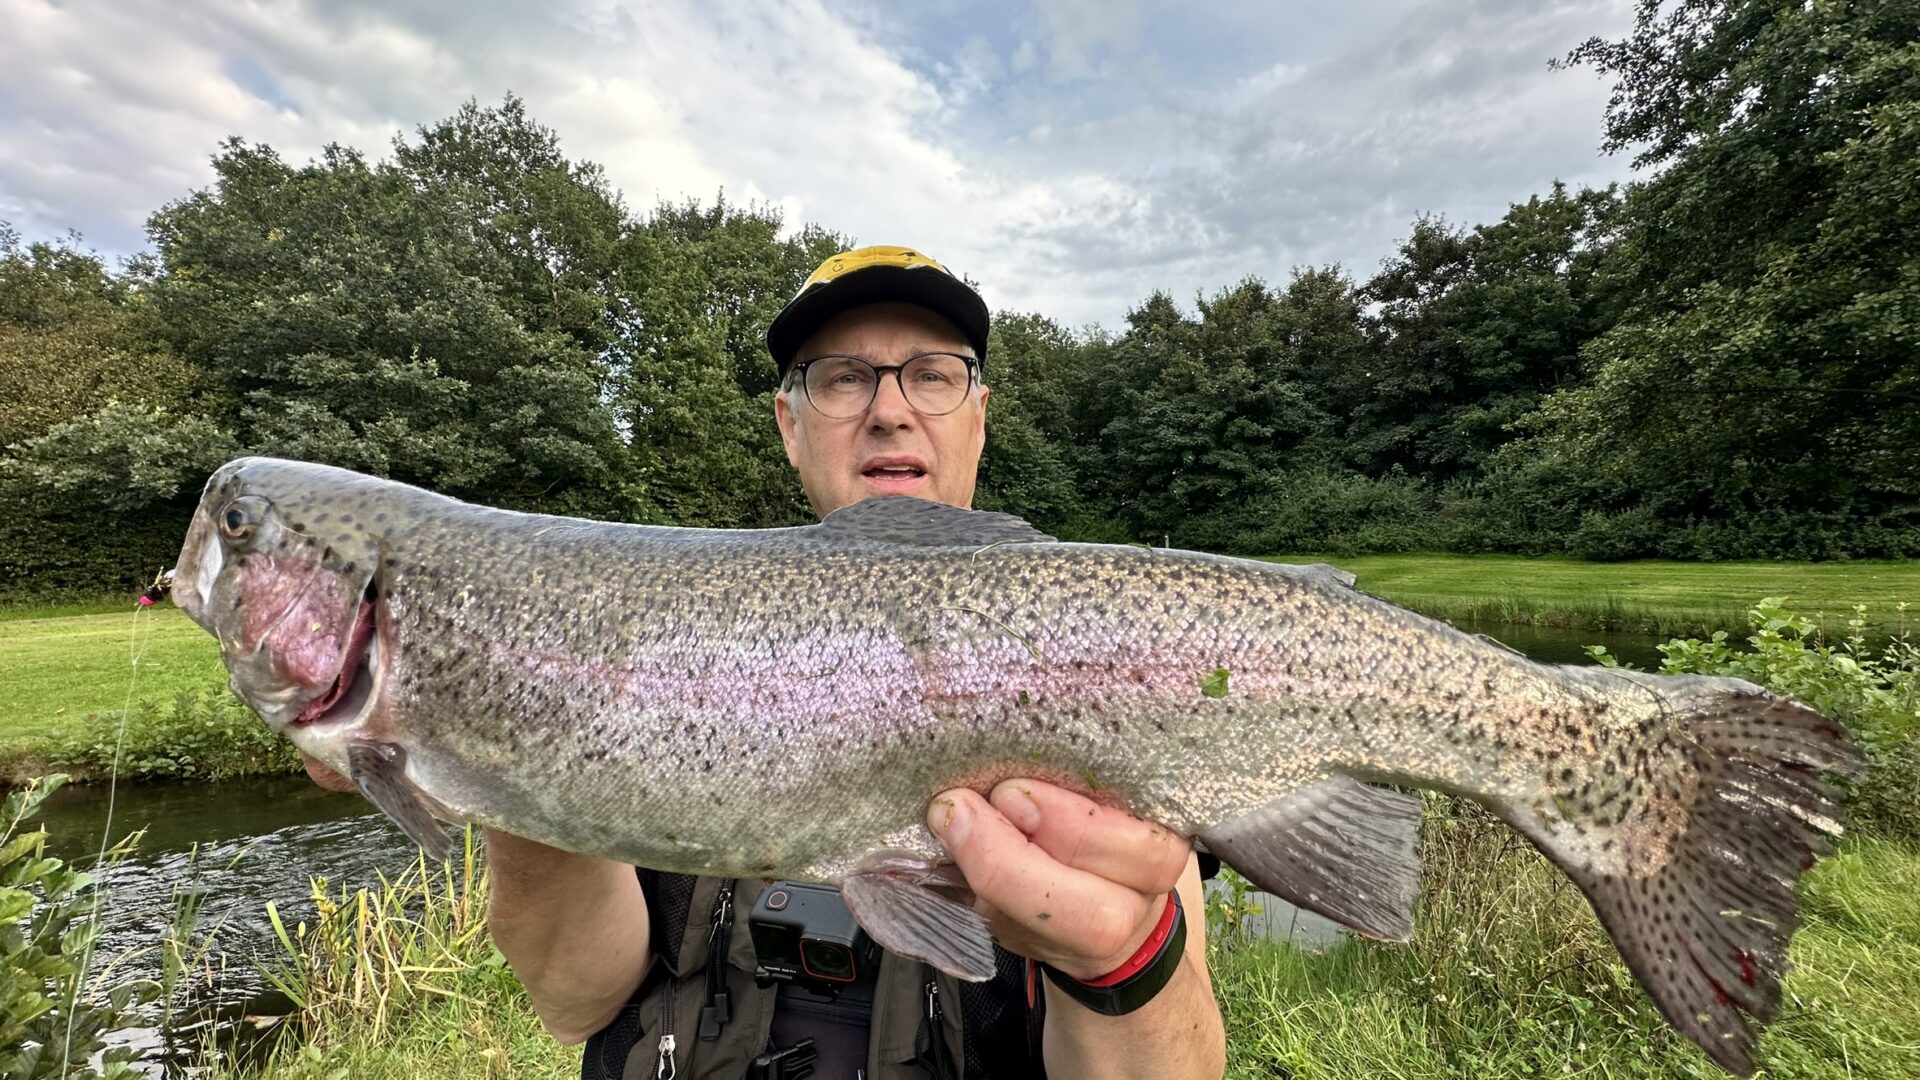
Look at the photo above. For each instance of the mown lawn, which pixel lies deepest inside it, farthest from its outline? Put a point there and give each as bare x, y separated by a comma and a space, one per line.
1651, 595
56, 672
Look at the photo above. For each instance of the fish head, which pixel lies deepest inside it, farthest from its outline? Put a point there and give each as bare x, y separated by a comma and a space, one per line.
281, 568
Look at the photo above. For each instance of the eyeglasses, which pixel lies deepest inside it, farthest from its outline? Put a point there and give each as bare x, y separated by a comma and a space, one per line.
843, 387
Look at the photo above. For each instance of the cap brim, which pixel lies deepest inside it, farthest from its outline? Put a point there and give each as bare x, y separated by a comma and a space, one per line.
930, 288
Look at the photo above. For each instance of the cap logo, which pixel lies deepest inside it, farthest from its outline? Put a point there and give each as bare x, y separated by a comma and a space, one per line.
861, 258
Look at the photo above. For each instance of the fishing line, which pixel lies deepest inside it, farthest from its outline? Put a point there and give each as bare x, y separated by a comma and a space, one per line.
136, 650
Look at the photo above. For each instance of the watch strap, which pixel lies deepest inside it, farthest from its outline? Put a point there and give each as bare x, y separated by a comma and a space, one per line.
1142, 977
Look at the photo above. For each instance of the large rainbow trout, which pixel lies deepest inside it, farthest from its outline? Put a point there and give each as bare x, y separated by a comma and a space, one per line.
784, 703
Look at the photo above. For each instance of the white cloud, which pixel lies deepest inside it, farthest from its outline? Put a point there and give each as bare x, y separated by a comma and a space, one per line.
1071, 159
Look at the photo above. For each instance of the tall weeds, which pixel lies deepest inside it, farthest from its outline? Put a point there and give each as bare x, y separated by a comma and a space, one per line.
400, 980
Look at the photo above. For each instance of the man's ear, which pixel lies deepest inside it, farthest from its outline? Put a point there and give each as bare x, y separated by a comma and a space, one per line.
783, 415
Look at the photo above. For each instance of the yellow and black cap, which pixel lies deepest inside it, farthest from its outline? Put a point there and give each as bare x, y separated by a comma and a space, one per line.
873, 275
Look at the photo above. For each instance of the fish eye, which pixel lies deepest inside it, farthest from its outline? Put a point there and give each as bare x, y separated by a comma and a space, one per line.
237, 522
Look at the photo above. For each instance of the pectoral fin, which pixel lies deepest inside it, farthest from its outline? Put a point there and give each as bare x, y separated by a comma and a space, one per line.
380, 771
1340, 848
900, 910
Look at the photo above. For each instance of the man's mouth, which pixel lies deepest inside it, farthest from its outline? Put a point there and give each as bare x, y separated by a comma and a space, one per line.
354, 684
894, 472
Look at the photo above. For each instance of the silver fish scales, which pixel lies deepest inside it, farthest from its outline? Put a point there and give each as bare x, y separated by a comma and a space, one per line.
785, 702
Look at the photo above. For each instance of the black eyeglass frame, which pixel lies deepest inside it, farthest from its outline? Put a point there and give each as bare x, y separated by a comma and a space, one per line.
899, 379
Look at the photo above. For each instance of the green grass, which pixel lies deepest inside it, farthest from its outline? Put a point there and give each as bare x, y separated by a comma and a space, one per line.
1509, 975
68, 676
1669, 598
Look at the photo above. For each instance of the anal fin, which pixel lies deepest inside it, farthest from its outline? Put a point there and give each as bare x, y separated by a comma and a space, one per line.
380, 771
1339, 848
898, 909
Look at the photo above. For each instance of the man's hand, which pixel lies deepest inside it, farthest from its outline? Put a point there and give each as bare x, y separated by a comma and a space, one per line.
1063, 879
1079, 886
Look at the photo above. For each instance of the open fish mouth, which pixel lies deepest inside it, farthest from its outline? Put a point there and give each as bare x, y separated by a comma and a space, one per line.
354, 686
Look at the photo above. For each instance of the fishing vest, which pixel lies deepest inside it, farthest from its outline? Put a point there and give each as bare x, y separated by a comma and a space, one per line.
925, 1025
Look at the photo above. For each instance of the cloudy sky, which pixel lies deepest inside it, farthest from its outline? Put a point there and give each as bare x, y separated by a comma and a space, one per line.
1071, 156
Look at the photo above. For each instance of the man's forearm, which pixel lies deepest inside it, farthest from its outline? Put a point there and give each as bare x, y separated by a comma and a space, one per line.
573, 927
1177, 1034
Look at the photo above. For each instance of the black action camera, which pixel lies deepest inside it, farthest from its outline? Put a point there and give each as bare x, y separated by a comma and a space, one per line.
804, 934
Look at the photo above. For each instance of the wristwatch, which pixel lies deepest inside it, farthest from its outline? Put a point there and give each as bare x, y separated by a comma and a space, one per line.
1141, 978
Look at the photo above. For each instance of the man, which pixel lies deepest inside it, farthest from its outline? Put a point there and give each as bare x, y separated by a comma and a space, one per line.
881, 357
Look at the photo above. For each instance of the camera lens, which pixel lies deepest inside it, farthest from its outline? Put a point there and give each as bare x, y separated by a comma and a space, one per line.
827, 960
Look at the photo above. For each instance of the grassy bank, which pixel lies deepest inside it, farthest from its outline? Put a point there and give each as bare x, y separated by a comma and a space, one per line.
1650, 596
1509, 975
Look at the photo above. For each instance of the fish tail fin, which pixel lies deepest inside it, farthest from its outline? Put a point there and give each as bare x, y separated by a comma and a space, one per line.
1706, 929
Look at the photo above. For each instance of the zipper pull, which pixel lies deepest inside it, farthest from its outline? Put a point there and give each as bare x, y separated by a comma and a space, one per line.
667, 1069
933, 1001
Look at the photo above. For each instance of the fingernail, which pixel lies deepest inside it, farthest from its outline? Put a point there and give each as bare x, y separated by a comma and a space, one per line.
949, 819
1013, 800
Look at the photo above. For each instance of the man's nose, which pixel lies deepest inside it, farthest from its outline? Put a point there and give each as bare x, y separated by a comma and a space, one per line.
889, 408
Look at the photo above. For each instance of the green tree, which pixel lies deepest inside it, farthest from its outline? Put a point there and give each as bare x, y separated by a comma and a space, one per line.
1211, 408
1473, 328
1759, 395
438, 319
692, 382
1036, 370
72, 340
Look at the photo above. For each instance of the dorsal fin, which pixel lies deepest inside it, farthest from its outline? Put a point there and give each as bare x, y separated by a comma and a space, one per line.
1331, 573
903, 519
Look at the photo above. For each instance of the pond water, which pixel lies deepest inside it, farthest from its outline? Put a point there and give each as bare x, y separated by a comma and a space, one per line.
239, 845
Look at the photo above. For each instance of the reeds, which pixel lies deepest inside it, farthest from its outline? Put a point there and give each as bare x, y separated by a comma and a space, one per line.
400, 980
372, 952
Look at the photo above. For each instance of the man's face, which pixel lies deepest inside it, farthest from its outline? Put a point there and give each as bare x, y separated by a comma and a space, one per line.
890, 449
